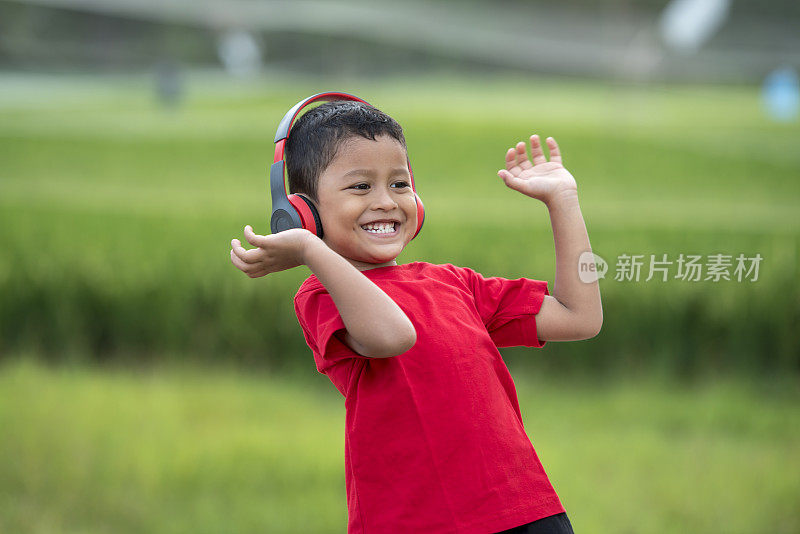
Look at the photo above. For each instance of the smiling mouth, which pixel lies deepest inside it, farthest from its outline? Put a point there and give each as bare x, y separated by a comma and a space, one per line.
382, 228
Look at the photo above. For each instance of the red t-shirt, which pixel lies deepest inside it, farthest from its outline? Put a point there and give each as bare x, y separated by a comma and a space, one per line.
434, 440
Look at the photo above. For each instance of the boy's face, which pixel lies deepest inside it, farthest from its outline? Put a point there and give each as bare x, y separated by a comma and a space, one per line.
366, 204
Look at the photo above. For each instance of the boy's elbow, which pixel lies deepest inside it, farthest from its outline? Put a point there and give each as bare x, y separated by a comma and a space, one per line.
582, 327
592, 327
409, 341
595, 330
396, 344
403, 343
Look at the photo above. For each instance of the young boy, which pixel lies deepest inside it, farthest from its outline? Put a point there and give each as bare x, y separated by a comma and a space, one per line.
434, 439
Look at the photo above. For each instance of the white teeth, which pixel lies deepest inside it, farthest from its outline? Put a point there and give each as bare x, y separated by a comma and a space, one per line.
379, 228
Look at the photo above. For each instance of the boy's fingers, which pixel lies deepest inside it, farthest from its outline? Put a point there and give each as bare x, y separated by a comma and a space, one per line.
247, 256
235, 243
522, 156
253, 238
510, 180
249, 269
511, 158
238, 263
512, 163
256, 274
555, 153
537, 154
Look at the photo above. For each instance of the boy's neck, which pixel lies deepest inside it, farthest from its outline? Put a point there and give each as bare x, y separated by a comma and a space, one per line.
364, 266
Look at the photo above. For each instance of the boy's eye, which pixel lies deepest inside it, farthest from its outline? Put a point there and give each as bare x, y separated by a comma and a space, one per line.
360, 186
400, 184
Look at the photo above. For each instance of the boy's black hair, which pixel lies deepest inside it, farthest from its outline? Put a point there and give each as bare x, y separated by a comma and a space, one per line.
318, 134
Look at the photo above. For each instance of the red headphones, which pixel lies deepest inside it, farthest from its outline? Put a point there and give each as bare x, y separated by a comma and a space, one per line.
296, 211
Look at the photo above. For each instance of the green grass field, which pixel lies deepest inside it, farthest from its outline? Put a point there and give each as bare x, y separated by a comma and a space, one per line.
116, 216
158, 408
188, 450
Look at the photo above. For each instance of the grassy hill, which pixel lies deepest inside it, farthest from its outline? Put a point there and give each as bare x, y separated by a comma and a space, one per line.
116, 215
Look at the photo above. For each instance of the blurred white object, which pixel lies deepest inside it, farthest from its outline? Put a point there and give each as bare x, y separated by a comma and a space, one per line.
781, 94
168, 84
686, 25
239, 53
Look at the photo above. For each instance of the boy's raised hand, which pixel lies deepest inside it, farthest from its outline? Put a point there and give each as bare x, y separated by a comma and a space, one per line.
537, 177
274, 252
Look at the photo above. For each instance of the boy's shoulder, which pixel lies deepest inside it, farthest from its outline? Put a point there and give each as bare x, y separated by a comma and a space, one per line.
417, 270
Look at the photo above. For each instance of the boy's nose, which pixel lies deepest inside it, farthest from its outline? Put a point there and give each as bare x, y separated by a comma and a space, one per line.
382, 200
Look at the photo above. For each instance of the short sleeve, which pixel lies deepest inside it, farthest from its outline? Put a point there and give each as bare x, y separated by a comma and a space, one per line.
508, 308
322, 325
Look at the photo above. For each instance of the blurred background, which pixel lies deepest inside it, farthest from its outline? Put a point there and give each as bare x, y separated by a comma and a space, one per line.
146, 385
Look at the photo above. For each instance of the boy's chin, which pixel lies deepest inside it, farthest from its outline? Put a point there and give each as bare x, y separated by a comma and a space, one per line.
375, 259
378, 260
389, 254
369, 255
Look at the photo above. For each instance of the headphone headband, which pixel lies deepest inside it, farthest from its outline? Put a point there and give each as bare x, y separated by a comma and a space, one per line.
288, 119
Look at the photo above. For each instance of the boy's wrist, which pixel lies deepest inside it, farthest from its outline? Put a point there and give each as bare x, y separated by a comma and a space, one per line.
310, 242
566, 198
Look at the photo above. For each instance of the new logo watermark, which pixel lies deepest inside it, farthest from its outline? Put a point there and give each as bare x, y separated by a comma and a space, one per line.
591, 267
686, 267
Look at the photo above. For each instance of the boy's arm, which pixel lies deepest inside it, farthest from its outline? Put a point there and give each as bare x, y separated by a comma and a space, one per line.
574, 311
375, 325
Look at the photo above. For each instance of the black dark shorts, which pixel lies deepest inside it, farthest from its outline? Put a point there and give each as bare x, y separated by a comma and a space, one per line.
555, 524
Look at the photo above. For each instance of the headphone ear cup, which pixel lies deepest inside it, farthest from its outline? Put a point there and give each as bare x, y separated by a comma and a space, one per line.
420, 214
308, 214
